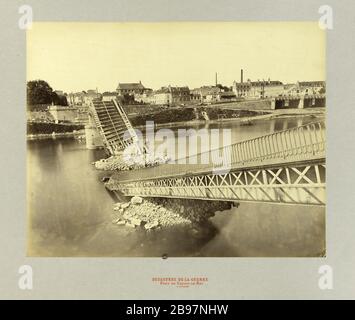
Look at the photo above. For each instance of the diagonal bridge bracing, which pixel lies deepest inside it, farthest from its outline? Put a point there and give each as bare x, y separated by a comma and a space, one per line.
282, 167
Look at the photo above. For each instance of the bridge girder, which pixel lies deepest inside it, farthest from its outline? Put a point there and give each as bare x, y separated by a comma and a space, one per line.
285, 184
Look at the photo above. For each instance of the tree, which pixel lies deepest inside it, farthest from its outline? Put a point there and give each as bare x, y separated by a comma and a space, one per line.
59, 100
40, 92
128, 99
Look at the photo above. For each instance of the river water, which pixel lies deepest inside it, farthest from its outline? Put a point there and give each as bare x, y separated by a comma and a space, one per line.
70, 212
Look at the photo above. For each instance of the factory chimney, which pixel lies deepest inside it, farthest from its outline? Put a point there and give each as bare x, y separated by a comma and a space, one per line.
241, 76
216, 80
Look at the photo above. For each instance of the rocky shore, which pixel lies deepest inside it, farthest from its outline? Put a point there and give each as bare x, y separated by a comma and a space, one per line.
160, 213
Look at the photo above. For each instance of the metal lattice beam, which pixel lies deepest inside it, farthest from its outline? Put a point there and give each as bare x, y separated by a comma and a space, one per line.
291, 184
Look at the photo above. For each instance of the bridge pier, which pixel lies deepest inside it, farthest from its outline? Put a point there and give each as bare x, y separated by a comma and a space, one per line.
93, 138
301, 103
273, 104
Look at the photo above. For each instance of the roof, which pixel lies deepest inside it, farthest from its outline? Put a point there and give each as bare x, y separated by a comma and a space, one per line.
105, 94
173, 90
179, 89
227, 94
258, 83
130, 86
311, 83
206, 90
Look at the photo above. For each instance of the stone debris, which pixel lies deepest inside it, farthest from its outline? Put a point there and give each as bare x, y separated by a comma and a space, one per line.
136, 221
120, 207
117, 162
125, 205
151, 225
140, 212
128, 224
136, 200
154, 213
126, 216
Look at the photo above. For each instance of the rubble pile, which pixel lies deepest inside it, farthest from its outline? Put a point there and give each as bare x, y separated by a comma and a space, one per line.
193, 210
139, 212
154, 213
119, 163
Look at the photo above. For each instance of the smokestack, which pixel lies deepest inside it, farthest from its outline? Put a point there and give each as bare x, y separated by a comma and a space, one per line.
241, 76
216, 80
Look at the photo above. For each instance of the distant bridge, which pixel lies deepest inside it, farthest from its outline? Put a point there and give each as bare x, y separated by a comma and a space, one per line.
299, 101
283, 167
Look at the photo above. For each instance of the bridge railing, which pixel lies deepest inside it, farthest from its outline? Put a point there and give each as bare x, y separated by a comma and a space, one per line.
299, 143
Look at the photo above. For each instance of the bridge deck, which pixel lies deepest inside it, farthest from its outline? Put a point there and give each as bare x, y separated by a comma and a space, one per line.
283, 167
304, 144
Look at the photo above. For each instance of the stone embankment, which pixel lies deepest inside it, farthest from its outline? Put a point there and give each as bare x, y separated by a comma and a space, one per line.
159, 213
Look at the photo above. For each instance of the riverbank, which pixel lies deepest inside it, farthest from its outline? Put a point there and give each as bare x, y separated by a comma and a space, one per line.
40, 136
170, 117
268, 115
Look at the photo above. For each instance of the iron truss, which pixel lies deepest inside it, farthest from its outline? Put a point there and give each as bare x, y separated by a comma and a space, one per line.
290, 184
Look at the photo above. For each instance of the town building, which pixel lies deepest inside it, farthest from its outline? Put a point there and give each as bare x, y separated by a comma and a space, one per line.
108, 96
161, 97
311, 87
130, 88
195, 96
76, 98
226, 96
90, 95
145, 98
305, 88
257, 89
171, 96
211, 94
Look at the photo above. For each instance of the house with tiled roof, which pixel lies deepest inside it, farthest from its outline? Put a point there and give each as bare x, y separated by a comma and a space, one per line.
258, 89
306, 88
171, 95
130, 88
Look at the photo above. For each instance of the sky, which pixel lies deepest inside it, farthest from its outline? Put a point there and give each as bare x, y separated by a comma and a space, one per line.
80, 56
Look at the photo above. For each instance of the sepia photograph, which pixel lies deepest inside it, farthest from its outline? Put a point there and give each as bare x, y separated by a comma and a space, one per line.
176, 139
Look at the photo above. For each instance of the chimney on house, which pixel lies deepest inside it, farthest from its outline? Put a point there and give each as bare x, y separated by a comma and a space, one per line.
241, 76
